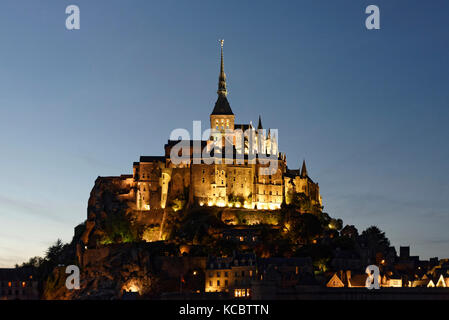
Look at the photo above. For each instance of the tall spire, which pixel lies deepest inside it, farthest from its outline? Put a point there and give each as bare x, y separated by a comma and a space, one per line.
259, 126
222, 106
222, 78
304, 173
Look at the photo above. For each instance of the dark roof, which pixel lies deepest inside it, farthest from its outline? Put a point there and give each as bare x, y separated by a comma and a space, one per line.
191, 143
281, 261
243, 126
19, 274
152, 158
222, 106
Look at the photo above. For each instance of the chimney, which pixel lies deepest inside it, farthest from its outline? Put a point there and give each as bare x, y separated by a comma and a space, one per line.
348, 275
404, 252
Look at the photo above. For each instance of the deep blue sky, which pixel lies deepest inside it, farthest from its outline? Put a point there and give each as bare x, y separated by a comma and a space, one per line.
368, 110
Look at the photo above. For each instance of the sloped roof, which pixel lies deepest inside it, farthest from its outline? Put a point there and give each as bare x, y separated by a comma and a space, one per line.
358, 280
222, 106
335, 282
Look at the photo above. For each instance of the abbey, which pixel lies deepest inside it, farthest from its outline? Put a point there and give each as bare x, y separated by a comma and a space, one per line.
160, 181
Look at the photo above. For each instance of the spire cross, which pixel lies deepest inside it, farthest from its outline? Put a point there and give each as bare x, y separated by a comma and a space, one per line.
222, 78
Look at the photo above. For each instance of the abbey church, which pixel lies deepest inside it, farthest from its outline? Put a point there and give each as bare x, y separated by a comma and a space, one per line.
238, 178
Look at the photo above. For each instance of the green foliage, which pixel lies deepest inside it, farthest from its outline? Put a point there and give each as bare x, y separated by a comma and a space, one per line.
375, 240
236, 199
120, 228
304, 228
245, 217
302, 202
196, 224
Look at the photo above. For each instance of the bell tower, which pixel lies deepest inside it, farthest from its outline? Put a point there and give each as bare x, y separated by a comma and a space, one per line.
222, 117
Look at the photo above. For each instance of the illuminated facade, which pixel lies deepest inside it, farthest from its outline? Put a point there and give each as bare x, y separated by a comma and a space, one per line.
230, 181
231, 274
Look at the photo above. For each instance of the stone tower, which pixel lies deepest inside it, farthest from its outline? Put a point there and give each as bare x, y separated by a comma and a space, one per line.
222, 118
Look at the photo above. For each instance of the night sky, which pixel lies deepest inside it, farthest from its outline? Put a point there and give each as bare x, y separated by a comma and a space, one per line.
367, 109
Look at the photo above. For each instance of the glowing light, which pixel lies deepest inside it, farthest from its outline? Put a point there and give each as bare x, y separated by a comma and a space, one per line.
132, 285
210, 203
237, 205
221, 203
201, 204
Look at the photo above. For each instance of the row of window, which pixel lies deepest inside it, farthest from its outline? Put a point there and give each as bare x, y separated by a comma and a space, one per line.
11, 284
12, 292
226, 283
236, 274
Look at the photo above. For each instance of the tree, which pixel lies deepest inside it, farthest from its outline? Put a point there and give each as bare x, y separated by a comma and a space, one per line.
349, 231
305, 228
375, 240
54, 252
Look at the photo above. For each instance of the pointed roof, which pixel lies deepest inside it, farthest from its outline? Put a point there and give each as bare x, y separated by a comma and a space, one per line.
222, 106
259, 125
335, 282
304, 169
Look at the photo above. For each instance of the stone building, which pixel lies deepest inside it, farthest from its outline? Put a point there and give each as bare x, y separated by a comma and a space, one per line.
18, 284
231, 274
233, 165
234, 179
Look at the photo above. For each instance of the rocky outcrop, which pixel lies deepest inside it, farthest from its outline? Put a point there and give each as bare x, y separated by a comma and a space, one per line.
146, 269
115, 197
